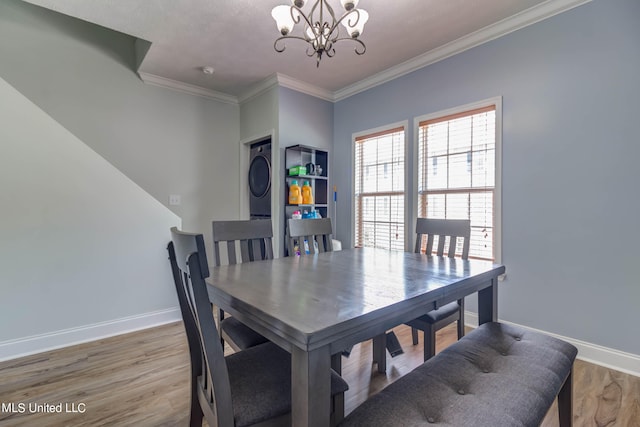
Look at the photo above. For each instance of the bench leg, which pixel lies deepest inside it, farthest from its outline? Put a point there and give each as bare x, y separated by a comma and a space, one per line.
414, 336
565, 402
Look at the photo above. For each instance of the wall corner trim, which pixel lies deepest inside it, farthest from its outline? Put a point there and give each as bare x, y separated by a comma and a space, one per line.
21, 347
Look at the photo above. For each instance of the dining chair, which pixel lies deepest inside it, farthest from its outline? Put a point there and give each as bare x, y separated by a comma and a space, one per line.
316, 230
254, 238
248, 388
313, 235
456, 230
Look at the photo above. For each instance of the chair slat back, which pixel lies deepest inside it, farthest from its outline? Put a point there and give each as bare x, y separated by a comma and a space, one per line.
453, 228
311, 230
255, 238
209, 369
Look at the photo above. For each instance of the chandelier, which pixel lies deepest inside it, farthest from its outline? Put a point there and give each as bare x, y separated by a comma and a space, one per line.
320, 27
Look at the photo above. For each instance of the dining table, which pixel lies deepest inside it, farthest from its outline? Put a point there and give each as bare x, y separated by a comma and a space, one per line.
315, 306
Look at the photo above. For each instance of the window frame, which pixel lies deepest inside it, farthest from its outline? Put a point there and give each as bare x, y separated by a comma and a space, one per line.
404, 125
497, 102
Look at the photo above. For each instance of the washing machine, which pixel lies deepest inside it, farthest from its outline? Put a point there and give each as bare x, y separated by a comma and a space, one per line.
260, 177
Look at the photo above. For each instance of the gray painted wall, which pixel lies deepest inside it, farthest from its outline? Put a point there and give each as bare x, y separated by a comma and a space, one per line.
259, 115
292, 118
166, 141
259, 119
70, 257
570, 93
569, 89
304, 120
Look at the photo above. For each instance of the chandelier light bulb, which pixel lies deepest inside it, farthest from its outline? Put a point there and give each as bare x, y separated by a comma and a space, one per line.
354, 23
284, 19
311, 37
310, 33
298, 3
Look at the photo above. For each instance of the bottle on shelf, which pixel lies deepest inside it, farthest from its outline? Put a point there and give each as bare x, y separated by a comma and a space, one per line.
307, 195
295, 197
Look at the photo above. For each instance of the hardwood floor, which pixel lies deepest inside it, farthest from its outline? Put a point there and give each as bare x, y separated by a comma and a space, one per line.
142, 379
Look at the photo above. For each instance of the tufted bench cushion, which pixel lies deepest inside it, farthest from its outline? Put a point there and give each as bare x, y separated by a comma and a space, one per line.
497, 375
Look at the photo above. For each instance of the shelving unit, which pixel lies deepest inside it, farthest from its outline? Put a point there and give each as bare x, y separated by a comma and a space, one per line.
301, 155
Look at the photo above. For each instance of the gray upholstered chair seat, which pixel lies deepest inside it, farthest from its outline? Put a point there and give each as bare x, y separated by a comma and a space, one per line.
436, 315
497, 375
243, 336
260, 379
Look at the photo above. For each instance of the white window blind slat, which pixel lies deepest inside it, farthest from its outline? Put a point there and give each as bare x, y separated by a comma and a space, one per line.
456, 173
379, 190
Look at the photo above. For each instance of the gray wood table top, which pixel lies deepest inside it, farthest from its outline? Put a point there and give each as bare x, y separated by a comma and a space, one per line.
315, 306
310, 298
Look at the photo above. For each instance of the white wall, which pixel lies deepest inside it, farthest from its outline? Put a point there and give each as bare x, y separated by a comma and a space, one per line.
81, 245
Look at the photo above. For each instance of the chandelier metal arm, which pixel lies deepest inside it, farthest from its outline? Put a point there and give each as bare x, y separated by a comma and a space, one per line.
321, 35
297, 19
364, 48
284, 46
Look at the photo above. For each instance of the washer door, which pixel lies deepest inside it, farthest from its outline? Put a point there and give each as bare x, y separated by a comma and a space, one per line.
259, 177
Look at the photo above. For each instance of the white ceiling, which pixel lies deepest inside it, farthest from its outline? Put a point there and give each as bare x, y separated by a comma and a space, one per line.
236, 38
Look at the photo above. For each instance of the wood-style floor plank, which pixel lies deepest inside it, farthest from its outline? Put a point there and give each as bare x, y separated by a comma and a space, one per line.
142, 379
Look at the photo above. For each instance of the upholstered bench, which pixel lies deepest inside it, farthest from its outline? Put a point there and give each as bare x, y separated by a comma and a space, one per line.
497, 375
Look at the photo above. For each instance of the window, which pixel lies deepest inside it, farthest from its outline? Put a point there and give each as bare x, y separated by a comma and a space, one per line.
457, 173
379, 189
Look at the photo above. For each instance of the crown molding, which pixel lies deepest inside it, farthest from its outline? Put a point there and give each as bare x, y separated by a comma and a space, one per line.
300, 86
259, 88
508, 25
279, 79
164, 82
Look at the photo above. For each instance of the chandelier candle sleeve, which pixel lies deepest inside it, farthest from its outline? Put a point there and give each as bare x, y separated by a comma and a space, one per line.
319, 27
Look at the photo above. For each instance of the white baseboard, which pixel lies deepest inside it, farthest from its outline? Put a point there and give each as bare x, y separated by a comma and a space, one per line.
609, 358
13, 349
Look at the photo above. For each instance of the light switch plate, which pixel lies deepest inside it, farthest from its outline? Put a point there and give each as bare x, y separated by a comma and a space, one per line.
174, 200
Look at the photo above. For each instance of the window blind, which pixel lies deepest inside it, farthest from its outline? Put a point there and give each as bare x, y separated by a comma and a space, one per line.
456, 173
379, 190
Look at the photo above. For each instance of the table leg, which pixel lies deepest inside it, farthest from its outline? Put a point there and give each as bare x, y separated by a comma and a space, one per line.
336, 363
380, 352
311, 387
488, 303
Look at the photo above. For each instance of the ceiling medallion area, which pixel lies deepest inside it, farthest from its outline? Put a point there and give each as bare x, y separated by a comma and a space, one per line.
320, 27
